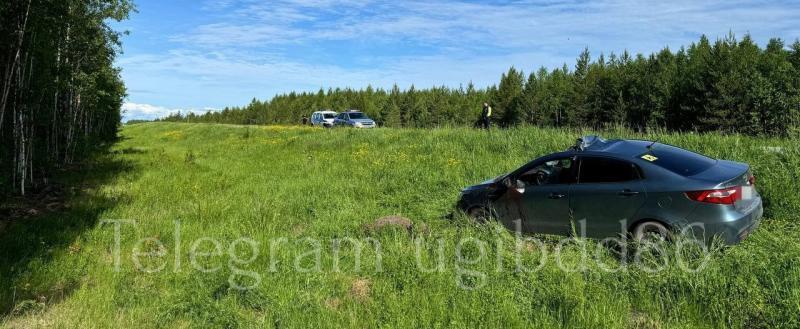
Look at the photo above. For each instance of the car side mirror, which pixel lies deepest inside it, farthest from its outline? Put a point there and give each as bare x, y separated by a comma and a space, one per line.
508, 183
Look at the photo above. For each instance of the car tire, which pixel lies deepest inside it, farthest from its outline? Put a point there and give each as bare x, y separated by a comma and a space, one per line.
480, 215
650, 229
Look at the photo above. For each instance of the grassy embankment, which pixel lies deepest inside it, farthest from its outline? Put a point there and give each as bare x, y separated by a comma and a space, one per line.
227, 182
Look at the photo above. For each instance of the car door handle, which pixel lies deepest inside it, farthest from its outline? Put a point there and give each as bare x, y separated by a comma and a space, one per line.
627, 192
555, 195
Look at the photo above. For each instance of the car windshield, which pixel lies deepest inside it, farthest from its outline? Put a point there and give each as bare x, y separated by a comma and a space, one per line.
678, 160
551, 172
358, 115
329, 115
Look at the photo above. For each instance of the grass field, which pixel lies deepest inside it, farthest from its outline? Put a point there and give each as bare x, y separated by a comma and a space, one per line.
241, 188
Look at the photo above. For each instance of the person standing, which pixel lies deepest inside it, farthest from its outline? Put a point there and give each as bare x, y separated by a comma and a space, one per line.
486, 115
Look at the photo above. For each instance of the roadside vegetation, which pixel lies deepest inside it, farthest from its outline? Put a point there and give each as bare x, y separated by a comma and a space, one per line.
245, 186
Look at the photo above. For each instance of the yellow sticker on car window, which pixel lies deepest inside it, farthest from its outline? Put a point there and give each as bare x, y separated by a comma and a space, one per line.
649, 157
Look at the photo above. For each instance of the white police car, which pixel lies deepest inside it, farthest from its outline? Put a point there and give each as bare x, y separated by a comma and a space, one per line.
323, 118
355, 119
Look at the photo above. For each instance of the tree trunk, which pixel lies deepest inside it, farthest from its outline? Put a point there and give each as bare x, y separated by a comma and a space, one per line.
14, 63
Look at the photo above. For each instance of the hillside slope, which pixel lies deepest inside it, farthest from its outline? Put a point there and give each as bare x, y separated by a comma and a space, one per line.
231, 192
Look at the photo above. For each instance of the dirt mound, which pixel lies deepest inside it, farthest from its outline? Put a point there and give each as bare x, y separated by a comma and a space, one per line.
360, 289
399, 222
391, 221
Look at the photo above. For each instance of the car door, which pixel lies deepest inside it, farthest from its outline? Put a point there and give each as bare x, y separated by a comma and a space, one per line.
545, 195
608, 191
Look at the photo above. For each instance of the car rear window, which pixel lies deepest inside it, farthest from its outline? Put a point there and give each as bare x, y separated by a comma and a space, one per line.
678, 160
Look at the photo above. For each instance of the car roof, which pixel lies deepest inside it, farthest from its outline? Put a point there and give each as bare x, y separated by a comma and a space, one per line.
619, 147
594, 145
324, 112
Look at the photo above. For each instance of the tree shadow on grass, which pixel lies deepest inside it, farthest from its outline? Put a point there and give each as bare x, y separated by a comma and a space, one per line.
44, 224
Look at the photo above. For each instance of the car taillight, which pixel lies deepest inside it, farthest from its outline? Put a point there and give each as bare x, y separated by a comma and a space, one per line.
727, 195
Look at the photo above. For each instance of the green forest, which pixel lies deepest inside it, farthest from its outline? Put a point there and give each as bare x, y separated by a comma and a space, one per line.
60, 94
729, 85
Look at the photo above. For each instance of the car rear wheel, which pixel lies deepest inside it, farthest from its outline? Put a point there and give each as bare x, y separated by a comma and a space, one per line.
480, 215
650, 231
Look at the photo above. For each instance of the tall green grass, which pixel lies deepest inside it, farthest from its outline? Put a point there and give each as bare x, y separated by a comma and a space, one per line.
227, 182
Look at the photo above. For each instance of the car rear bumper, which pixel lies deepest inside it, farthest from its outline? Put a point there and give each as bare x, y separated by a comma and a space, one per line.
730, 224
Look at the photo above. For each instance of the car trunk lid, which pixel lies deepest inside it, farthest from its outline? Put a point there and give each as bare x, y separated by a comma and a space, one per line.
726, 174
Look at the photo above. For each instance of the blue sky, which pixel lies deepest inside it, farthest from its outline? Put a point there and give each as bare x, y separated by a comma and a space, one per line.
200, 55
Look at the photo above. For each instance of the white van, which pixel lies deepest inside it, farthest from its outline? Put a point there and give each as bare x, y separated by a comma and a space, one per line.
323, 118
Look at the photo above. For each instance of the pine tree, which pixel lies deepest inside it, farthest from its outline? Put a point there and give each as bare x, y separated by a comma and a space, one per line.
506, 101
390, 111
530, 109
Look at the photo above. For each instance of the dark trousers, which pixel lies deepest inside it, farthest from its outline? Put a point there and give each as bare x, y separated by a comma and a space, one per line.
486, 122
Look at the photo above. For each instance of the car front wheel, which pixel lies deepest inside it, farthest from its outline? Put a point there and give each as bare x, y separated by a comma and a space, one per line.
480, 215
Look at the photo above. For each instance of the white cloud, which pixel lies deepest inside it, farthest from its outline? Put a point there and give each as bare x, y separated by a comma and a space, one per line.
135, 111
236, 76
224, 34
512, 25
